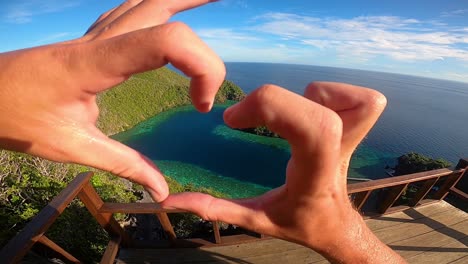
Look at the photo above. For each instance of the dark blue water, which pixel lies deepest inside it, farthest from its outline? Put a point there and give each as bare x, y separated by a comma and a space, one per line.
423, 115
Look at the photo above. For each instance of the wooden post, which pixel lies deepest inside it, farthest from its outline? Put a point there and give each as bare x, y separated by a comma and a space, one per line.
217, 235
15, 250
167, 226
93, 202
462, 164
51, 244
360, 199
450, 182
422, 192
111, 250
393, 194
463, 182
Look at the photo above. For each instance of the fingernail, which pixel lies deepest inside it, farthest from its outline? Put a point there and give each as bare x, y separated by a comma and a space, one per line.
205, 107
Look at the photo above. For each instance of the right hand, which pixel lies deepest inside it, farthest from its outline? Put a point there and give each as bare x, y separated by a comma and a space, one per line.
312, 208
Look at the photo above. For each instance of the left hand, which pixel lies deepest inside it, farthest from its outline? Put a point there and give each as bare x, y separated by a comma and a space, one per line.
48, 94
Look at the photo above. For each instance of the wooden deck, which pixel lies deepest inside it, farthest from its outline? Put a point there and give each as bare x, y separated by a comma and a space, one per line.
435, 233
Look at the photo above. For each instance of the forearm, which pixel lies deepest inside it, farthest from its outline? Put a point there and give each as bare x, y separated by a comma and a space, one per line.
356, 243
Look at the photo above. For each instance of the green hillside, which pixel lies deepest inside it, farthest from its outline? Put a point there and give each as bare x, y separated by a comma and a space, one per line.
147, 94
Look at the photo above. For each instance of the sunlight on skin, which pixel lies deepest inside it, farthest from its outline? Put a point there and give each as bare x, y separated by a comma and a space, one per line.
312, 208
51, 112
62, 95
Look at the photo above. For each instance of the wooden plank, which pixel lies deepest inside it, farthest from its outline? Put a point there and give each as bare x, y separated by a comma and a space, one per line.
450, 182
398, 180
461, 195
360, 199
15, 250
446, 253
217, 235
135, 208
392, 196
166, 225
240, 239
58, 249
401, 217
93, 202
418, 227
111, 250
422, 192
445, 225
462, 260
266, 251
435, 240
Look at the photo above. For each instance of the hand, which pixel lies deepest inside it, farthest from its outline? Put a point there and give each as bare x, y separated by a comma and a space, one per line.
312, 207
48, 94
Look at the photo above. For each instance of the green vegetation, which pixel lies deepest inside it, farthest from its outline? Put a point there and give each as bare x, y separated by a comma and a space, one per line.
28, 184
147, 94
229, 91
415, 162
412, 163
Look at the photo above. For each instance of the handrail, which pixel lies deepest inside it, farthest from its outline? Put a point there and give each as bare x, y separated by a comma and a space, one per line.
15, 250
396, 180
103, 212
396, 186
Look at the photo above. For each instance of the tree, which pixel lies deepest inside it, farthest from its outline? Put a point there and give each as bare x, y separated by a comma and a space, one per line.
415, 162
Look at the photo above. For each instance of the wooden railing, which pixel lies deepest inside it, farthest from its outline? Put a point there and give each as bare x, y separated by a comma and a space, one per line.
440, 182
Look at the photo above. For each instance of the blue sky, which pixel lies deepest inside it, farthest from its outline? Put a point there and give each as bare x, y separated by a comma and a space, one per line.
426, 38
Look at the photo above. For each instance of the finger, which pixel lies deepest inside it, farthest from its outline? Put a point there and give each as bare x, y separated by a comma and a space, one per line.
143, 15
157, 46
236, 212
100, 19
111, 15
94, 149
313, 131
301, 122
358, 107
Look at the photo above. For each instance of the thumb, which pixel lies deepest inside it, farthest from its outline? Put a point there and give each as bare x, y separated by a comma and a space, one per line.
237, 212
107, 154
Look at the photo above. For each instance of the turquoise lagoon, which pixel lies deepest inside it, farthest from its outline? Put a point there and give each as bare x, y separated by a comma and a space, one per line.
200, 149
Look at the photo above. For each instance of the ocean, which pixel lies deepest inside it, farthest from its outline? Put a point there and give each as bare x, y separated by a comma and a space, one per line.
423, 115
428, 116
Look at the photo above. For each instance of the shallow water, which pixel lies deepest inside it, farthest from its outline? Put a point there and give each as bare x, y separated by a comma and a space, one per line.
423, 115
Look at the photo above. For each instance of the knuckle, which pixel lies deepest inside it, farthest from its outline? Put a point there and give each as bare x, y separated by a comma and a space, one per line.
131, 173
331, 124
315, 92
264, 93
177, 29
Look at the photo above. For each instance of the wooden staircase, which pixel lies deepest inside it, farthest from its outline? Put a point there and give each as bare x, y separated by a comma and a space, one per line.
422, 228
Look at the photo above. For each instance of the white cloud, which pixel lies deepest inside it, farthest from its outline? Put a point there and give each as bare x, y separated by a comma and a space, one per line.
24, 11
390, 36
389, 43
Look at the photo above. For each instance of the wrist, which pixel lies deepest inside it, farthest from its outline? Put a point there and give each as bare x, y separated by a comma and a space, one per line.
353, 242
